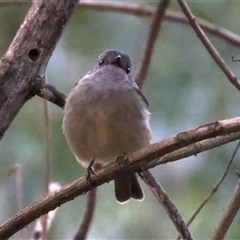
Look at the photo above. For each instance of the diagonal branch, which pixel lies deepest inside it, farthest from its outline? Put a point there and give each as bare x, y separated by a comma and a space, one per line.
166, 202
228, 215
208, 45
214, 190
88, 216
141, 10
152, 36
49, 92
180, 146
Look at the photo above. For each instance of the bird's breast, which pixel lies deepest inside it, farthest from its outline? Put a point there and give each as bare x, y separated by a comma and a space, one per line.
103, 124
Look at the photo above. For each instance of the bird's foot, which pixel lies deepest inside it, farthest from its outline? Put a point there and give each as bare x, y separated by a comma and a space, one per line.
122, 159
90, 172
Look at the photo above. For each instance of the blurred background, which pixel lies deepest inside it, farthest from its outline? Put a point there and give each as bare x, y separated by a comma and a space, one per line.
185, 89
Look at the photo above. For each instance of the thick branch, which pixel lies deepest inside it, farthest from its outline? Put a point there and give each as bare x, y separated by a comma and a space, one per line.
182, 145
28, 54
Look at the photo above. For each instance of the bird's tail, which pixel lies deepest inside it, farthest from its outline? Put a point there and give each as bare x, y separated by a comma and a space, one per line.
127, 186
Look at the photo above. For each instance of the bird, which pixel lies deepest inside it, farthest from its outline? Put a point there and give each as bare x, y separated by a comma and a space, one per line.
106, 116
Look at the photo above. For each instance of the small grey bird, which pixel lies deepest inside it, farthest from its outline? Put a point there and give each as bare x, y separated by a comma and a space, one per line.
106, 115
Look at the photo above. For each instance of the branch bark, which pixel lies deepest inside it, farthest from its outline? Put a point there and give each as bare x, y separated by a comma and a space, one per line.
180, 146
22, 68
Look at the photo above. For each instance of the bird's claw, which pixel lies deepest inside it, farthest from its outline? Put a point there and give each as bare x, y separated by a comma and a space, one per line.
122, 159
90, 172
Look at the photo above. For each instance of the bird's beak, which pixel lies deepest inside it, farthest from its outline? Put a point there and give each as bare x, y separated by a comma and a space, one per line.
117, 61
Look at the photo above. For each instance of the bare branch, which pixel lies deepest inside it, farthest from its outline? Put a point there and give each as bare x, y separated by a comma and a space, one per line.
141, 10
228, 215
88, 216
17, 171
50, 93
47, 147
216, 187
47, 164
39, 230
167, 204
208, 45
180, 146
152, 36
214, 190
28, 55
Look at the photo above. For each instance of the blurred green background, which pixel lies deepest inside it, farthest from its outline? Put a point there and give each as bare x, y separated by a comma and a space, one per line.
184, 88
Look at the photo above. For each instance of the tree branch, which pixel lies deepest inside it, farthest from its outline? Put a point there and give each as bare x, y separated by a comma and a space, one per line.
50, 93
40, 230
228, 215
23, 66
167, 204
88, 216
152, 36
208, 45
141, 10
214, 190
17, 171
180, 146
27, 57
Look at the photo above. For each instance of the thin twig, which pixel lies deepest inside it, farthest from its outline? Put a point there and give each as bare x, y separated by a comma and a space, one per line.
208, 45
141, 10
88, 216
47, 162
19, 194
147, 177
180, 146
50, 93
214, 190
167, 204
227, 216
217, 186
38, 233
88, 213
152, 36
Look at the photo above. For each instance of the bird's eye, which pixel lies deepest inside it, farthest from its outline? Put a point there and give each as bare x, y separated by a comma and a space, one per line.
101, 62
128, 70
